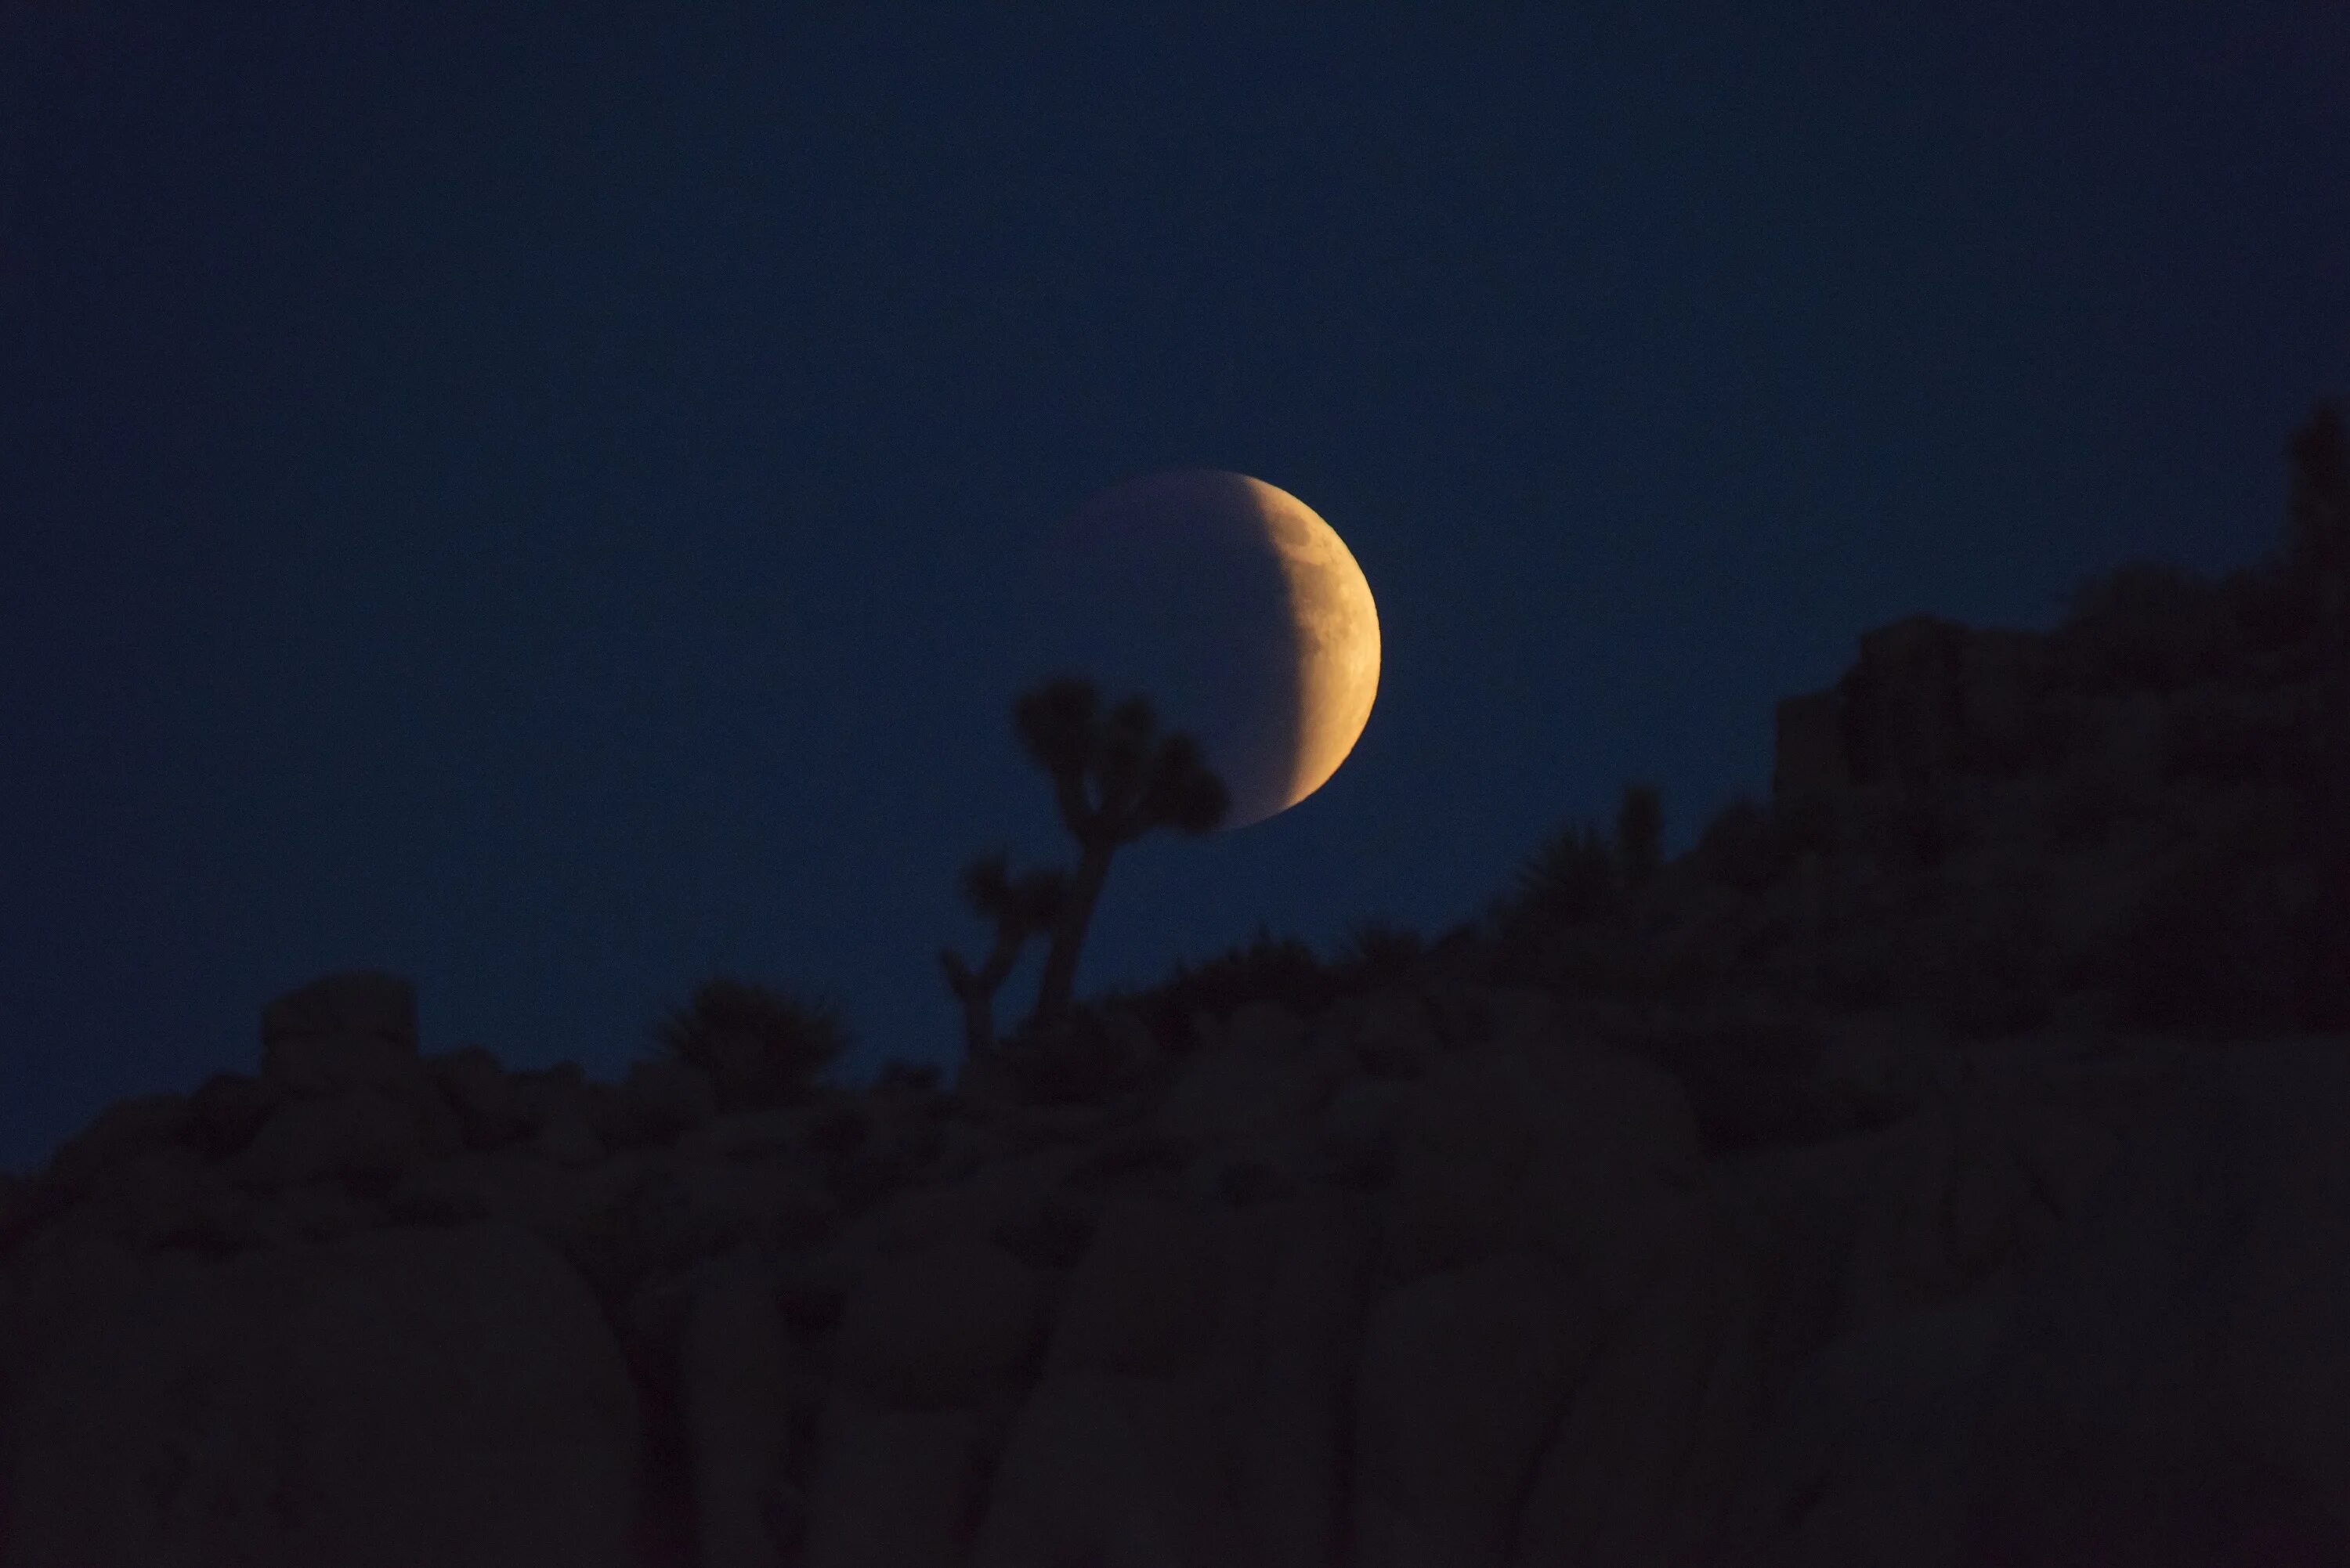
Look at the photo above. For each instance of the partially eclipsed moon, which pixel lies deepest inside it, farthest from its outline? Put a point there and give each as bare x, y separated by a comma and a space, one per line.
1240, 612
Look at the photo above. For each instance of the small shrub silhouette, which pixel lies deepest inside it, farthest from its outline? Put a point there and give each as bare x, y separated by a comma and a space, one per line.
1641, 834
1571, 878
1264, 968
1376, 952
762, 1047
1072, 1061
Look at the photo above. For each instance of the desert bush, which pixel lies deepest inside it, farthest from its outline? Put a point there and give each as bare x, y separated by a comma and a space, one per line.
1376, 952
1264, 968
1571, 878
761, 1047
1744, 847
1073, 1060
1640, 833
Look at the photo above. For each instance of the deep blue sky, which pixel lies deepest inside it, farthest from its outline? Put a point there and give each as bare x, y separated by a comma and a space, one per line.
544, 506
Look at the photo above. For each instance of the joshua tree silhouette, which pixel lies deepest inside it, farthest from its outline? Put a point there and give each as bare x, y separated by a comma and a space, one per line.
1115, 778
1020, 909
1640, 832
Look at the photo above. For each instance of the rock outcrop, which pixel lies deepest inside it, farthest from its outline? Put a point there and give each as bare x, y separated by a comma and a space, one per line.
1830, 1197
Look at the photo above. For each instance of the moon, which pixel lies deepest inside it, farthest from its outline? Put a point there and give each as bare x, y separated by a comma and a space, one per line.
1237, 611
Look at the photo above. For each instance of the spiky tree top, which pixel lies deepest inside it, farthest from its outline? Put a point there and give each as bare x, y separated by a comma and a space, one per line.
1018, 908
1029, 903
1115, 778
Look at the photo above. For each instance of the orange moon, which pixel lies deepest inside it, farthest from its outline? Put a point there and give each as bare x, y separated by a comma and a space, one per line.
1238, 610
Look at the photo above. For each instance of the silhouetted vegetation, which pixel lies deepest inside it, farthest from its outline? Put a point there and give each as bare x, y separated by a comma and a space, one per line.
1115, 778
1376, 952
1264, 968
1571, 878
1030, 906
2317, 506
761, 1047
1640, 833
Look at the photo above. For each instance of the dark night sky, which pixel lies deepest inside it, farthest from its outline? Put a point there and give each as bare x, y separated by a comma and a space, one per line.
546, 506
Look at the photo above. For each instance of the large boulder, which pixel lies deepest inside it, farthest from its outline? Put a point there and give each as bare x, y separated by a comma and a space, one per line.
1119, 1468
1193, 1407
361, 1135
1258, 1078
732, 1367
121, 1132
1290, 1326
940, 1326
1576, 1149
2172, 1387
1463, 1376
670, 1096
896, 1487
393, 1398
354, 1030
227, 1109
488, 1104
1865, 1460
1145, 1297
1660, 1421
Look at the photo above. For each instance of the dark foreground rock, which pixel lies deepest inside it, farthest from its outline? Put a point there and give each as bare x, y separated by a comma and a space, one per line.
1944, 1169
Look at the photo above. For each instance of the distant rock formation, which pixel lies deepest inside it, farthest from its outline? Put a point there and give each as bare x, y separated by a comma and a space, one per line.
1839, 1193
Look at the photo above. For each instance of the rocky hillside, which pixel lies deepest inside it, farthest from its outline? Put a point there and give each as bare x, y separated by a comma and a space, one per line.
1940, 1165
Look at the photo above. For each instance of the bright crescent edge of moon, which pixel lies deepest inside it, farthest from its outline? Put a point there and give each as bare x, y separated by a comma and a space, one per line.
1338, 628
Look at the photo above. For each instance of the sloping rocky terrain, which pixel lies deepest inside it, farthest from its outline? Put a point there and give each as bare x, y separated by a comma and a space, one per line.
1942, 1164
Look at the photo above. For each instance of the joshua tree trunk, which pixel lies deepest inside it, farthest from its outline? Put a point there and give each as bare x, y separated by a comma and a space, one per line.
978, 1024
1053, 992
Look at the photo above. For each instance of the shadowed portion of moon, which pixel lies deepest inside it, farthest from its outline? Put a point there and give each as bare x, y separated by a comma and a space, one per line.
1236, 609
